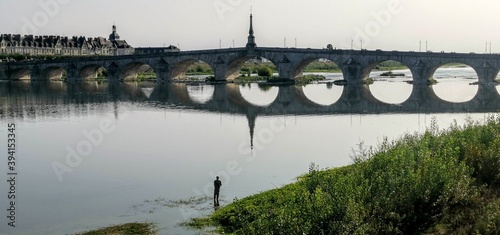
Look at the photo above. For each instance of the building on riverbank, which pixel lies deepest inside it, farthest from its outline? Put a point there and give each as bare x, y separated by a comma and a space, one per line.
12, 44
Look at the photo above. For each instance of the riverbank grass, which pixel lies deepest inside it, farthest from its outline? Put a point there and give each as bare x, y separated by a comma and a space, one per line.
125, 229
439, 182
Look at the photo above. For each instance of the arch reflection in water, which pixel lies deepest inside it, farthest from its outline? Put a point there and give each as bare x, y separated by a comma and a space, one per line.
259, 95
200, 93
465, 81
319, 95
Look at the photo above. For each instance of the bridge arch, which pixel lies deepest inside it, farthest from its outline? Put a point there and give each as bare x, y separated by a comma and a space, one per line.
53, 73
20, 74
238, 67
389, 81
131, 71
93, 72
461, 75
318, 64
373, 65
182, 67
453, 63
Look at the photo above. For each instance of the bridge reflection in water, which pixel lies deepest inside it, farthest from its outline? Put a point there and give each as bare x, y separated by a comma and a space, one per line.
31, 100
227, 98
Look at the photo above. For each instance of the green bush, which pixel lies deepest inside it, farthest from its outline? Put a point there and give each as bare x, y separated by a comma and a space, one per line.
199, 69
319, 66
264, 71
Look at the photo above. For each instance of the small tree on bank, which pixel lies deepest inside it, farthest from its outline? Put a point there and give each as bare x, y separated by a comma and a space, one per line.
265, 72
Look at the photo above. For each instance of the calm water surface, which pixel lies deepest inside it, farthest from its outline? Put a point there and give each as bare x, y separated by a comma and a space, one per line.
157, 152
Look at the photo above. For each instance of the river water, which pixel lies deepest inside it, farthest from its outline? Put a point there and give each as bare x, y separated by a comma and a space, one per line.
97, 154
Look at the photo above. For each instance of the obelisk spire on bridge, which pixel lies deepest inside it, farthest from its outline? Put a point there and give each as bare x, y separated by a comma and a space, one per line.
251, 38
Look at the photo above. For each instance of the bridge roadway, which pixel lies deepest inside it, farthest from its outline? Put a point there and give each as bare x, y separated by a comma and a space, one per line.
356, 65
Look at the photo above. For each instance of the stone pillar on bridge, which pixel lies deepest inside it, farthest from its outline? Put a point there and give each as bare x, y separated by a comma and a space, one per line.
36, 74
421, 90
285, 69
220, 72
487, 91
114, 72
72, 74
220, 69
420, 72
486, 73
162, 71
352, 70
3, 72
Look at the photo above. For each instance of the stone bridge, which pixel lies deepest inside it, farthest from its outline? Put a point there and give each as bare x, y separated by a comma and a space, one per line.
226, 63
356, 65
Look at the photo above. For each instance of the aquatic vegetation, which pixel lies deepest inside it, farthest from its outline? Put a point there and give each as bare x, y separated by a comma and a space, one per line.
199, 69
152, 206
125, 229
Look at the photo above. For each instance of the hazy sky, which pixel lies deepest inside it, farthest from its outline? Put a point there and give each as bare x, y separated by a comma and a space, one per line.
447, 25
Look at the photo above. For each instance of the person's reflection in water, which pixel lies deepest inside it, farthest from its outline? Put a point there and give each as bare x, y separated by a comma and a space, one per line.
217, 185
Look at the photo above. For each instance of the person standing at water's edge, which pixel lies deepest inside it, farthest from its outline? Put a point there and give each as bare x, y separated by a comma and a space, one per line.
217, 185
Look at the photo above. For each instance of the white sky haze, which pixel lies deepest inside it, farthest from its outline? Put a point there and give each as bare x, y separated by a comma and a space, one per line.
447, 25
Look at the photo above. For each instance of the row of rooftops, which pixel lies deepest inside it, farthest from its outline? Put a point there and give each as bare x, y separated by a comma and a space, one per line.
78, 42
53, 41
16, 40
